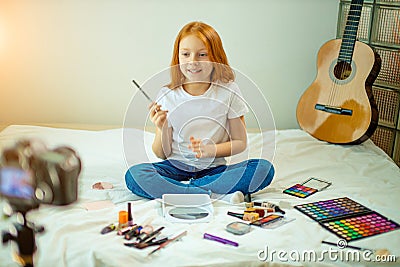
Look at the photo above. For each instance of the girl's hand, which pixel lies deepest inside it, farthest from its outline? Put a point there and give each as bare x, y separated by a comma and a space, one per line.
202, 150
157, 116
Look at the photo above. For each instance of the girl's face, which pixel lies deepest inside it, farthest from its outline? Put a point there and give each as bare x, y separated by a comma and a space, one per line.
194, 61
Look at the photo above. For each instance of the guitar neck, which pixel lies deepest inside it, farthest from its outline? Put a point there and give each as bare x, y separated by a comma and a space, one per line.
350, 31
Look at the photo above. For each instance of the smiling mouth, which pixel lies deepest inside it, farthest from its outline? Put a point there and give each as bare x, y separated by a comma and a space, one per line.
194, 71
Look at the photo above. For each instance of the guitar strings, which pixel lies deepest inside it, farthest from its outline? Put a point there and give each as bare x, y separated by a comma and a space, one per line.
333, 89
337, 93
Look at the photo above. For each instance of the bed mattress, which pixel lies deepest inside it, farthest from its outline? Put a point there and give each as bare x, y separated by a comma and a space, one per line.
363, 173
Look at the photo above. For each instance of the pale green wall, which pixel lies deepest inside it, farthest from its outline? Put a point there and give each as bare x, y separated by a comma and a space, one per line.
71, 61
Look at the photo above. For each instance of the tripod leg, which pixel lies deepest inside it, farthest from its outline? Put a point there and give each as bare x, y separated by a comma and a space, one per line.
26, 245
24, 260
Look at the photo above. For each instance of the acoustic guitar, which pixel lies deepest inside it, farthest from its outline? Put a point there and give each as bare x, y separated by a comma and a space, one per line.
339, 107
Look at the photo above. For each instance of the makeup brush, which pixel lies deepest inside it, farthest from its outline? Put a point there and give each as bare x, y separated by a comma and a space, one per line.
167, 242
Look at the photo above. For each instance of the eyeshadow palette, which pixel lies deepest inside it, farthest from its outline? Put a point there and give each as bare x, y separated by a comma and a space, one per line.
347, 219
299, 190
309, 187
331, 209
360, 226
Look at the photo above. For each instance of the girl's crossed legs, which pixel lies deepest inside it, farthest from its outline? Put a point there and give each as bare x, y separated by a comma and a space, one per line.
152, 180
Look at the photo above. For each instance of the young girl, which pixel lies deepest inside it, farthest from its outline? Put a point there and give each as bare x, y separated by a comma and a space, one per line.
199, 119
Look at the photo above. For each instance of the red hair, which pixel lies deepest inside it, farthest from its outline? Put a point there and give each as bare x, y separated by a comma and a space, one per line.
222, 71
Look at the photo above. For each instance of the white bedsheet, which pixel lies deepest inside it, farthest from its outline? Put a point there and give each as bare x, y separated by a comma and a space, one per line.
363, 173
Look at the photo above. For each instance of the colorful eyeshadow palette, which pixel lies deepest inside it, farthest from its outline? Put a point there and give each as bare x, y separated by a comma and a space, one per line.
299, 190
307, 188
332, 209
360, 226
347, 219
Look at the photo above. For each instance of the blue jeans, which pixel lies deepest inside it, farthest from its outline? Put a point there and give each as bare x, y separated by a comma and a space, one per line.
152, 180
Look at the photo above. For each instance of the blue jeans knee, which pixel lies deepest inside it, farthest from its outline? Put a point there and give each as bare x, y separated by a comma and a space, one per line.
133, 179
263, 174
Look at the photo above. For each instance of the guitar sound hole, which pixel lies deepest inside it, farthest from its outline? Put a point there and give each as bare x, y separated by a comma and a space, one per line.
342, 70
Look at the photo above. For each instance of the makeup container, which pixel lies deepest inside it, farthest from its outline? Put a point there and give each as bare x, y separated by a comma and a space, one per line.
238, 228
269, 207
307, 188
125, 230
251, 216
261, 212
135, 231
347, 219
123, 217
130, 219
267, 220
148, 237
109, 228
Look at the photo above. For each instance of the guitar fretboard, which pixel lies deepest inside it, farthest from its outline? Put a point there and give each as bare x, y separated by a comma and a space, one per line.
350, 31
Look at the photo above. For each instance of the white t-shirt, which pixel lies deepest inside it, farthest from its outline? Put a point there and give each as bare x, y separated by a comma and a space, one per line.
204, 117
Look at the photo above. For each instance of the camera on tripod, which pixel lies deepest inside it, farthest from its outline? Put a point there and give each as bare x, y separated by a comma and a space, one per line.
30, 175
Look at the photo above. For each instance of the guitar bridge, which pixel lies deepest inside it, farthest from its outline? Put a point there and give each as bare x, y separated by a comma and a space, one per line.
334, 110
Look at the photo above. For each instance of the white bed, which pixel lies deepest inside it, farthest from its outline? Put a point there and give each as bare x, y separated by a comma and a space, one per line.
363, 173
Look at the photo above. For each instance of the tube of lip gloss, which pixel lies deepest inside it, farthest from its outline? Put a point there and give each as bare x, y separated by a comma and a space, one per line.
109, 228
130, 219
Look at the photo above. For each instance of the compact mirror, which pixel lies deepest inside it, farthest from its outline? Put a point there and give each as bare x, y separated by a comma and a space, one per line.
188, 213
